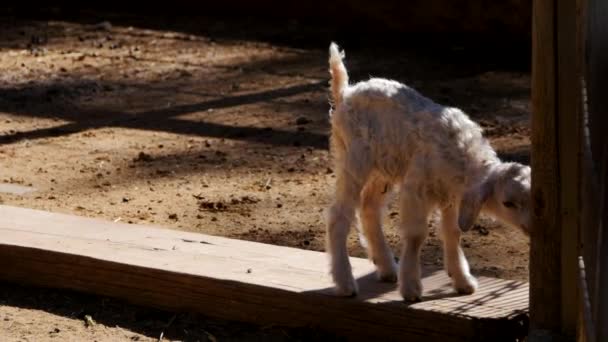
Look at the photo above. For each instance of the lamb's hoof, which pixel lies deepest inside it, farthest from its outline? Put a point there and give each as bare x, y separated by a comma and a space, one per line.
387, 274
412, 300
411, 290
466, 286
347, 293
389, 277
346, 289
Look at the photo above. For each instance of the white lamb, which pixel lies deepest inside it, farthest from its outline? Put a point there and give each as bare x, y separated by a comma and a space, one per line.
386, 134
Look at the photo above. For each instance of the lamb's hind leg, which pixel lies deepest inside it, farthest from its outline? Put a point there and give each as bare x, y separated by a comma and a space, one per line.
371, 209
341, 216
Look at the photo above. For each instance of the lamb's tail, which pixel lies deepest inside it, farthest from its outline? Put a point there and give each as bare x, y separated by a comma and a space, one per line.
339, 76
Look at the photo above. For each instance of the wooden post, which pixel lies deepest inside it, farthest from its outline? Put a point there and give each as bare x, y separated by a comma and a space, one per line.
555, 173
569, 149
594, 202
596, 76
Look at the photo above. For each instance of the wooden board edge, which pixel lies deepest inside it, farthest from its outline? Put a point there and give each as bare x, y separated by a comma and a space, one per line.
239, 301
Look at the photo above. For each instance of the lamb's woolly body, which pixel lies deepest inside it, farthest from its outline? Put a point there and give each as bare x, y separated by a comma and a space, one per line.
404, 133
386, 134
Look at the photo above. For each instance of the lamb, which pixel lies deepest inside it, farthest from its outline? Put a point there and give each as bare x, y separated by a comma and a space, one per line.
385, 135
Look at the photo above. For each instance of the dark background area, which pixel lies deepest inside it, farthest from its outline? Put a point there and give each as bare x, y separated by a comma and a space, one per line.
486, 29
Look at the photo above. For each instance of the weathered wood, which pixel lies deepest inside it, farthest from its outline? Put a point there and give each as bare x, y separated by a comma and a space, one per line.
586, 331
601, 306
595, 167
569, 149
556, 180
586, 327
545, 246
596, 75
243, 280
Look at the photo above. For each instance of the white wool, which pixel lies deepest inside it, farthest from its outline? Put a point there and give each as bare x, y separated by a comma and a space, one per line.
385, 134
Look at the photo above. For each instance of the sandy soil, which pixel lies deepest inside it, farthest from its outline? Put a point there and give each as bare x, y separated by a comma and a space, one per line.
210, 134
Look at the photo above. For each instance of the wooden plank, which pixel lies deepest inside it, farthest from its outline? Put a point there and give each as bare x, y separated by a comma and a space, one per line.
244, 280
586, 326
545, 244
597, 81
601, 308
569, 149
556, 172
596, 167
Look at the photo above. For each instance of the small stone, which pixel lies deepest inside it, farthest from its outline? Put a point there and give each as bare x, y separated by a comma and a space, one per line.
104, 26
302, 121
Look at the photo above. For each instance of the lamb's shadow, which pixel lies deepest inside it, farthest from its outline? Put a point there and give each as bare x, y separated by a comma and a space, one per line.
506, 298
372, 289
147, 321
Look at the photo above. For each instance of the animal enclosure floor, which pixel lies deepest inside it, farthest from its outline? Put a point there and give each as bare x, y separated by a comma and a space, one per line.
241, 280
200, 130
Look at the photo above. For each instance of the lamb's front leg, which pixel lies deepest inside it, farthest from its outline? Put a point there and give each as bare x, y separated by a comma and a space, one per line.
455, 261
414, 229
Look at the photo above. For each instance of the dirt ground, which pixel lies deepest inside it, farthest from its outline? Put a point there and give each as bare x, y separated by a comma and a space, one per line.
214, 134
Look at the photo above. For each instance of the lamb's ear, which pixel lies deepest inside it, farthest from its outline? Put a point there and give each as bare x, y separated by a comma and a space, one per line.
471, 203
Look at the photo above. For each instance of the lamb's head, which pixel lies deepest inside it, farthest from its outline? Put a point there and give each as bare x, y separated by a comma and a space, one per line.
504, 194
